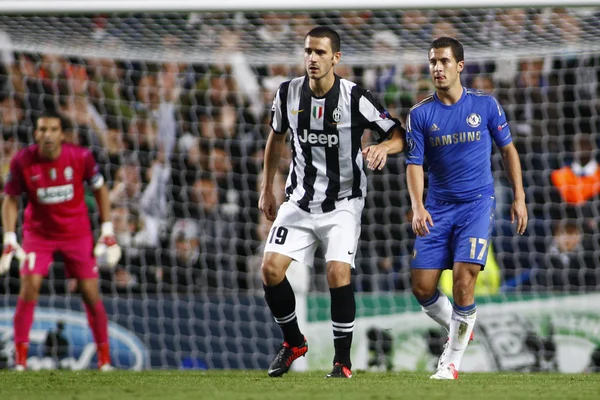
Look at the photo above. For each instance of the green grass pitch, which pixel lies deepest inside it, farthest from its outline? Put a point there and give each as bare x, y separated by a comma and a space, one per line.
256, 385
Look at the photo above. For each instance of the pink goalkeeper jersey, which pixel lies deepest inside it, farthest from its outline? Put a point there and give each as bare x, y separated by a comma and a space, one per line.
55, 190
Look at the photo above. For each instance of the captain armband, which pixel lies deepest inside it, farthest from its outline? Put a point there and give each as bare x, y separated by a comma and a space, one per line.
97, 181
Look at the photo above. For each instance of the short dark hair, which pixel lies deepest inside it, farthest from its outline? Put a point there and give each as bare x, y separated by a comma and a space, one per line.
326, 32
51, 113
455, 45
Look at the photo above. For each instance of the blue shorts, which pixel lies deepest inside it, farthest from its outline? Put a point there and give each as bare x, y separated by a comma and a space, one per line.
461, 233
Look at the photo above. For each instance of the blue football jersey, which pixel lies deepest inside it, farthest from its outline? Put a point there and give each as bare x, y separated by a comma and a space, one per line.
456, 142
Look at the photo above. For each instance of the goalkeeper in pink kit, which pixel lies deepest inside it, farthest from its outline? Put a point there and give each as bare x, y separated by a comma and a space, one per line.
52, 175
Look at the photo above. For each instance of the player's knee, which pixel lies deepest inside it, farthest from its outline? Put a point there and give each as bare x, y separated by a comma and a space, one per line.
90, 297
338, 274
272, 272
463, 288
29, 290
423, 292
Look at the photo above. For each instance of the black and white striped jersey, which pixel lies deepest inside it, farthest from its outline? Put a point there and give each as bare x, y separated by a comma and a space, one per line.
327, 162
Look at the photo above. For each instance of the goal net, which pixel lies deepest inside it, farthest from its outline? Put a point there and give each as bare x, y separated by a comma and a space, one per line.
176, 107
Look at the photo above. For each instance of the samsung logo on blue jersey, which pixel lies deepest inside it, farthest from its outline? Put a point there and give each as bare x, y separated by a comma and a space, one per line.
454, 138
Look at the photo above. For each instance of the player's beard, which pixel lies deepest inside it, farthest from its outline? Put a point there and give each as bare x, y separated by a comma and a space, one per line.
443, 88
322, 73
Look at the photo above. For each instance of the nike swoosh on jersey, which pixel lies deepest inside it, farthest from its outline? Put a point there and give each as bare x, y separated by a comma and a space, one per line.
294, 112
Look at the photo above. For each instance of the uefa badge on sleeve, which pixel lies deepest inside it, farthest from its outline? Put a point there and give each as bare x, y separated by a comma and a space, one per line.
410, 144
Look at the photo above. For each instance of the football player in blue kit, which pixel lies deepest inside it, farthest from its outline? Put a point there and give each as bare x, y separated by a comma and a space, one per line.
453, 130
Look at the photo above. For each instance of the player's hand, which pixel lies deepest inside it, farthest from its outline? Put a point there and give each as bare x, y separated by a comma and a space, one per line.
107, 249
11, 249
518, 213
421, 218
266, 204
376, 156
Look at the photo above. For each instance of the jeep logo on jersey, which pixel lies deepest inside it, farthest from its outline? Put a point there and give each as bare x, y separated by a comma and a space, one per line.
55, 194
319, 139
127, 350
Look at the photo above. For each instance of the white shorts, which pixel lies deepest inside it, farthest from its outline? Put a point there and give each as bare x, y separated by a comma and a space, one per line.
297, 233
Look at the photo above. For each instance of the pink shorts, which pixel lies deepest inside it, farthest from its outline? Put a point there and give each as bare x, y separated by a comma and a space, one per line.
77, 253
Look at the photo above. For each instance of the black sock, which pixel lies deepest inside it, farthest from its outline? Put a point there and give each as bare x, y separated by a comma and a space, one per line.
343, 312
282, 302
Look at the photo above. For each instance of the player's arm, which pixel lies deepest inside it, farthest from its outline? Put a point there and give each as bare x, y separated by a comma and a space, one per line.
376, 155
11, 247
103, 202
390, 130
10, 211
273, 150
415, 179
512, 166
106, 247
415, 176
500, 131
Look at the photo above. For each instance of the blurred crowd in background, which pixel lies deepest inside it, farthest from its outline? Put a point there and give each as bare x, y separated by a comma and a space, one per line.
181, 143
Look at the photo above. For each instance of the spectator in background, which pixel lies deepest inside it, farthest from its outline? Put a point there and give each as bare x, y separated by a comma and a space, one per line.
178, 269
115, 144
274, 32
127, 187
143, 134
485, 83
7, 57
424, 88
153, 202
575, 84
528, 104
27, 80
300, 22
579, 183
217, 232
108, 85
355, 31
125, 224
508, 27
382, 77
568, 262
444, 27
8, 148
415, 27
13, 121
229, 186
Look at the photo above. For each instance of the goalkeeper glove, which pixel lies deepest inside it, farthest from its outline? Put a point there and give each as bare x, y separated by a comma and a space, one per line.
107, 249
11, 249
